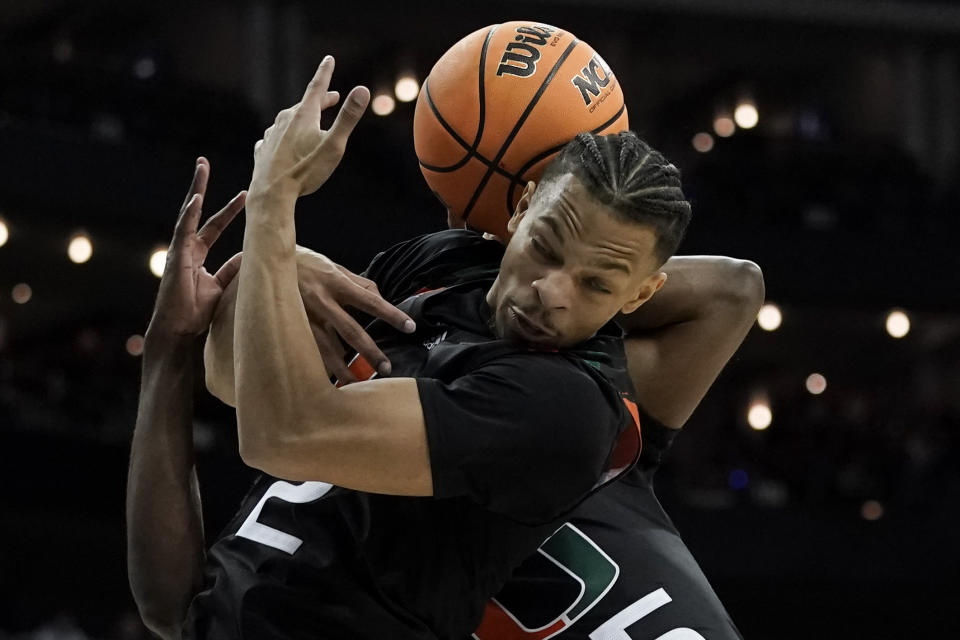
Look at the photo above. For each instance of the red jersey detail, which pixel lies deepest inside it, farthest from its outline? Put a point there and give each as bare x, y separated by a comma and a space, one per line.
360, 369
628, 446
498, 625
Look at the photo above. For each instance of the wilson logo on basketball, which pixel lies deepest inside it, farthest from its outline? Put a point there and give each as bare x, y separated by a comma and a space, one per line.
592, 79
520, 57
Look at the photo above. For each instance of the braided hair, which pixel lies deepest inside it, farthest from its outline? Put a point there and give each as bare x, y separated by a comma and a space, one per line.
626, 174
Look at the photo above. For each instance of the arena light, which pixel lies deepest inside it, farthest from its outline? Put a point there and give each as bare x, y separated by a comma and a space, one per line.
738, 479
144, 68
769, 318
702, 142
871, 510
21, 293
4, 232
759, 415
898, 323
80, 248
383, 104
407, 88
746, 115
158, 259
134, 345
724, 126
62, 50
816, 383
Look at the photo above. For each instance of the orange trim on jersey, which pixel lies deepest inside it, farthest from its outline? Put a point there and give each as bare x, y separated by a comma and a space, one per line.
630, 442
360, 369
427, 290
498, 625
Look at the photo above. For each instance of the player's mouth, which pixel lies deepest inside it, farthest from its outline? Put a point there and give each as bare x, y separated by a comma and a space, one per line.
527, 328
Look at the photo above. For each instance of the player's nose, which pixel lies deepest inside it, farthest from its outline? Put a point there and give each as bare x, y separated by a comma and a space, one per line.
554, 289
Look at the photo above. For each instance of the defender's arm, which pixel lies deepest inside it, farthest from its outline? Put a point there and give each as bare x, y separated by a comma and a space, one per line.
165, 548
165, 545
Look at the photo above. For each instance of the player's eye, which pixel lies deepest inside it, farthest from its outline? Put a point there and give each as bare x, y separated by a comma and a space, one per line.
543, 251
597, 285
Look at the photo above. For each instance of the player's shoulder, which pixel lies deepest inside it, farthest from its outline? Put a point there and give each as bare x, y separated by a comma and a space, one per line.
431, 245
571, 386
434, 260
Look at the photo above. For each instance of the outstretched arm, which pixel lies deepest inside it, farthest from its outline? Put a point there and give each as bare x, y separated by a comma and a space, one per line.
678, 342
165, 544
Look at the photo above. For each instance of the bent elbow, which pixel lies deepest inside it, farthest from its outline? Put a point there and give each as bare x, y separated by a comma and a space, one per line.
252, 448
258, 449
752, 288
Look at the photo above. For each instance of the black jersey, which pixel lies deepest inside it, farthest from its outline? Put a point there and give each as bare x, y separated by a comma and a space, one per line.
517, 437
617, 570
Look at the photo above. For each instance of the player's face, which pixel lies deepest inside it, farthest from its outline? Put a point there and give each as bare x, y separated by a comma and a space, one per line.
570, 266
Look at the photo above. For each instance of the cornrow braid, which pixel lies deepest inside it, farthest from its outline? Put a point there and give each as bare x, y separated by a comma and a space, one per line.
625, 173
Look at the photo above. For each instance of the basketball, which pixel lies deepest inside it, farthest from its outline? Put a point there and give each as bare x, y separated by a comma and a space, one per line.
498, 106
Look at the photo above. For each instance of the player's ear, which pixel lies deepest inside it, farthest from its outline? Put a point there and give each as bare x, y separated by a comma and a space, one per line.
649, 287
522, 205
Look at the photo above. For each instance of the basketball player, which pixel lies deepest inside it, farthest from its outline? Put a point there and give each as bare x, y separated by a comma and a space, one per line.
618, 569
500, 416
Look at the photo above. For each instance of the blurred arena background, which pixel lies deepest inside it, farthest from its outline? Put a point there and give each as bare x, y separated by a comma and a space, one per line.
817, 484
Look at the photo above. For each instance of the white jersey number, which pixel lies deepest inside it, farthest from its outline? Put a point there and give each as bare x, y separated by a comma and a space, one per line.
295, 493
616, 627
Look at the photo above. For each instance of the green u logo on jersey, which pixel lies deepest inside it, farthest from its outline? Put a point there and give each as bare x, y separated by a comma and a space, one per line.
570, 570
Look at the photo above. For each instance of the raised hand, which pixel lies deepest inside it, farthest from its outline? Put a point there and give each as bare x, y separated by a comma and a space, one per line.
296, 156
188, 293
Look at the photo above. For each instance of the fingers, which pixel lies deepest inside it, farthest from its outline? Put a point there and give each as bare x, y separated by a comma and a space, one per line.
226, 273
201, 174
350, 114
332, 353
188, 220
313, 97
332, 98
370, 302
360, 281
219, 221
354, 335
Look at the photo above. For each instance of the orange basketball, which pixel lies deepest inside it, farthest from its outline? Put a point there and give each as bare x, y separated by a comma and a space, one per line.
498, 106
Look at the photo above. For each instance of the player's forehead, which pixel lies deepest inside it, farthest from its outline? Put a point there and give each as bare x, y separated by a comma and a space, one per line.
570, 216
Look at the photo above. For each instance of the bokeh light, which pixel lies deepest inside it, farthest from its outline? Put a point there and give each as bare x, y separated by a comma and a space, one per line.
769, 317
135, 345
157, 261
759, 416
898, 323
407, 89
816, 383
702, 142
724, 126
871, 510
383, 104
144, 68
80, 248
746, 115
4, 232
21, 293
738, 479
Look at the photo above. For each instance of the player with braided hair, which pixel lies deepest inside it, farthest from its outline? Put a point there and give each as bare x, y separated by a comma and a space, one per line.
624, 173
618, 569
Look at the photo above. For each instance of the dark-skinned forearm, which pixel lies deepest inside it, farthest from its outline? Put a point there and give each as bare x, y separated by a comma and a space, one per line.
165, 547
